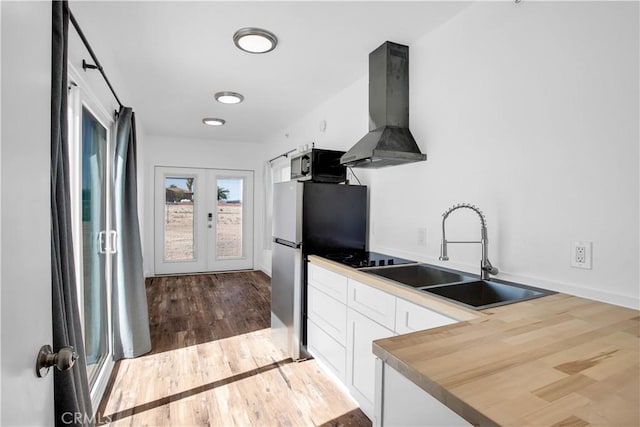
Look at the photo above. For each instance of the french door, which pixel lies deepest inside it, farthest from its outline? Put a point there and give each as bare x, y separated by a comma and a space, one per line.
203, 220
91, 158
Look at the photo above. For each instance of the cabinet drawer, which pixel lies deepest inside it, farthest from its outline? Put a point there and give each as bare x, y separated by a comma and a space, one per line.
328, 313
332, 284
375, 304
411, 317
327, 350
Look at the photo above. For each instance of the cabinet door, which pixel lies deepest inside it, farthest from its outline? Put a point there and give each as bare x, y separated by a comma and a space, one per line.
330, 353
328, 313
406, 404
375, 304
332, 284
411, 317
361, 332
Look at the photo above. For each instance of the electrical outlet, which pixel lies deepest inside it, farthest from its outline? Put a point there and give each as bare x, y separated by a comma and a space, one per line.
422, 236
581, 254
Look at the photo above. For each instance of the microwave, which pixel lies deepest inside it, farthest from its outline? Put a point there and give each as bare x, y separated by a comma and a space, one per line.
318, 166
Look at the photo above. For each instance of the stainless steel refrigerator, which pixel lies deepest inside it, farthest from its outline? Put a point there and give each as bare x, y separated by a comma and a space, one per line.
308, 218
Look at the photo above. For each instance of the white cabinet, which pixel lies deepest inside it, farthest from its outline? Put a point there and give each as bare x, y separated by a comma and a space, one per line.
403, 403
375, 304
329, 282
361, 361
327, 319
329, 352
345, 316
411, 317
328, 313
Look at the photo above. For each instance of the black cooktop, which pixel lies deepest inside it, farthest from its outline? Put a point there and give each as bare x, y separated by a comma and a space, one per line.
362, 259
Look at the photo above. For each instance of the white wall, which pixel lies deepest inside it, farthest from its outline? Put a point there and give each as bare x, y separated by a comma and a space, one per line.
346, 118
529, 111
25, 215
197, 153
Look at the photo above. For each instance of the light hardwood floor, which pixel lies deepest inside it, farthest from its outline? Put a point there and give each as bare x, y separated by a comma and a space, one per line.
213, 363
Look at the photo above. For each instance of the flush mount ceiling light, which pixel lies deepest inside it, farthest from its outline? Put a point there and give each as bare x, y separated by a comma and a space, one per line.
229, 97
212, 121
255, 40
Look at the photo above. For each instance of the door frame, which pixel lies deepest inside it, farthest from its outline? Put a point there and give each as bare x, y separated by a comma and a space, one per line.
79, 96
205, 202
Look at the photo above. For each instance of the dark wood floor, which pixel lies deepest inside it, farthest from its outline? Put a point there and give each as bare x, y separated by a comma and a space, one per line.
212, 363
190, 310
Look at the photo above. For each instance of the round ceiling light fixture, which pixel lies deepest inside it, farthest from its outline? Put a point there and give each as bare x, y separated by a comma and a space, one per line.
212, 121
255, 40
227, 97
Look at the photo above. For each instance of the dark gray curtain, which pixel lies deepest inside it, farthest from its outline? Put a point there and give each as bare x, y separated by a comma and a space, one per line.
71, 388
130, 312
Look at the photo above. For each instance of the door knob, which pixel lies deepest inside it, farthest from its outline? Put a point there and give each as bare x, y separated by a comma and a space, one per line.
64, 359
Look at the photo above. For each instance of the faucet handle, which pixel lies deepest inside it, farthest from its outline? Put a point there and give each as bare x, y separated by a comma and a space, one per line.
489, 268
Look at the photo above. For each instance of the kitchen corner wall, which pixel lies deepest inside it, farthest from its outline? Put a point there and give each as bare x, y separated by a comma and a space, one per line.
197, 153
530, 111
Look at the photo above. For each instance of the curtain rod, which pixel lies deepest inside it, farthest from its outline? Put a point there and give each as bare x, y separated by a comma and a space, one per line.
282, 155
97, 65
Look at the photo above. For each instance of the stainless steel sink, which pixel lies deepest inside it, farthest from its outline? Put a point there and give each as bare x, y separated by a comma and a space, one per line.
461, 288
482, 294
419, 275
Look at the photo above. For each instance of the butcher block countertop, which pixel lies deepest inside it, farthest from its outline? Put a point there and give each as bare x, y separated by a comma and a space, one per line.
558, 360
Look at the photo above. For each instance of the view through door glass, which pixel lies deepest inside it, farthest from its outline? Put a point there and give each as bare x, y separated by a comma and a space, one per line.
94, 145
229, 210
179, 224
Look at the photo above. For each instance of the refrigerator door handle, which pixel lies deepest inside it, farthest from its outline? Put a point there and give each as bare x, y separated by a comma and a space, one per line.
286, 243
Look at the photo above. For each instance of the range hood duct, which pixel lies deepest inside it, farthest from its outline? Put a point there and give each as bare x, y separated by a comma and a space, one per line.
389, 141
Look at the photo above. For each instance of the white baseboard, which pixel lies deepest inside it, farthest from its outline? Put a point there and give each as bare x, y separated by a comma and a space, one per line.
265, 271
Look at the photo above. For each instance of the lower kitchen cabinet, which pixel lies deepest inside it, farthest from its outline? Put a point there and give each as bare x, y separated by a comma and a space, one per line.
328, 313
345, 316
361, 362
327, 321
329, 352
402, 403
411, 318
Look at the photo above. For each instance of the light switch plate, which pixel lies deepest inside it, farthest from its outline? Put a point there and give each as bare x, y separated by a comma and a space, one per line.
581, 254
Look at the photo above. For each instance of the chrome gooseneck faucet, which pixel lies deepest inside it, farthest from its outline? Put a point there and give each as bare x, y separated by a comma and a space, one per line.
485, 265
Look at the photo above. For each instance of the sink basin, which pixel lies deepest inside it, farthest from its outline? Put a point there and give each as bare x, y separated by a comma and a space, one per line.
482, 294
419, 275
463, 289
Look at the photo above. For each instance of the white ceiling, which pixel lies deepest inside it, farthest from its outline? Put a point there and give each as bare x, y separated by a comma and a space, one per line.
173, 56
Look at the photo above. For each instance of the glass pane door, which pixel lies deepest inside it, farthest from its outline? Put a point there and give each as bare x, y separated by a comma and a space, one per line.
231, 228
229, 217
180, 221
94, 290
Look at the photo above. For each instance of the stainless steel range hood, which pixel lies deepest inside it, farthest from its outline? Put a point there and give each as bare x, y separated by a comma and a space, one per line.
389, 141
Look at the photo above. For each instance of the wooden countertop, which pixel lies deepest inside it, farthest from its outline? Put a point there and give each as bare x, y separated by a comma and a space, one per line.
559, 360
